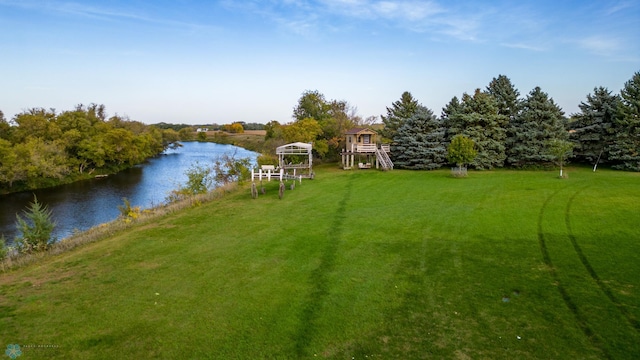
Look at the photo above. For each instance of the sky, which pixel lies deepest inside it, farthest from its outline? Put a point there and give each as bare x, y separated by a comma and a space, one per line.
205, 62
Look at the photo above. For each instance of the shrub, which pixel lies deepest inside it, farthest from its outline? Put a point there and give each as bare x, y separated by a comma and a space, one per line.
229, 169
3, 248
267, 159
461, 151
127, 211
36, 228
202, 179
199, 181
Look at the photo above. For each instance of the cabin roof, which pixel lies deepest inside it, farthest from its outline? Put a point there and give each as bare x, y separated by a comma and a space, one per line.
356, 131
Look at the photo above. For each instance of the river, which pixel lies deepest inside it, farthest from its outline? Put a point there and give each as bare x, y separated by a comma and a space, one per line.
84, 204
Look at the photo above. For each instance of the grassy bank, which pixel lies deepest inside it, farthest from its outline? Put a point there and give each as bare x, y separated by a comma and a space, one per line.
353, 264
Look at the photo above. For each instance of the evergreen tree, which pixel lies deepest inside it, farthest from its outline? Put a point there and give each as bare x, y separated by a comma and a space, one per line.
478, 118
625, 149
448, 112
419, 142
540, 121
506, 96
452, 108
36, 228
399, 112
590, 130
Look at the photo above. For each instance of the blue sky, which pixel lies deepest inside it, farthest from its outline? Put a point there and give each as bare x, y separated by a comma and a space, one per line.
196, 62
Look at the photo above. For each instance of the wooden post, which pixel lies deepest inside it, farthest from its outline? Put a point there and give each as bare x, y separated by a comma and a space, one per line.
254, 191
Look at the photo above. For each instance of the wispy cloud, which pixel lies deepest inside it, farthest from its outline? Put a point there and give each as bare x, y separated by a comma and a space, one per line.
315, 17
600, 45
391, 10
618, 7
525, 46
97, 12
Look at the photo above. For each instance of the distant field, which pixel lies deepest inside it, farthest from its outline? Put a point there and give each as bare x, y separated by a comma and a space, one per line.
250, 139
246, 132
354, 265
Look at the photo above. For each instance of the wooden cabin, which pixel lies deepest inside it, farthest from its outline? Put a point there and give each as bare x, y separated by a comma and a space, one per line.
363, 144
360, 137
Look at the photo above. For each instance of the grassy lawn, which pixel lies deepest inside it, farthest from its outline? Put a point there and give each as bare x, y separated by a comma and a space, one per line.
354, 265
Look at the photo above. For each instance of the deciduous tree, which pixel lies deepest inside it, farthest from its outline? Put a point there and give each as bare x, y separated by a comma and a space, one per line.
333, 118
5, 128
461, 151
559, 150
312, 105
8, 163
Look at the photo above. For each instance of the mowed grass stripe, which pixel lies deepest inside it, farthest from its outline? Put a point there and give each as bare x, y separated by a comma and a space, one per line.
358, 264
594, 275
598, 317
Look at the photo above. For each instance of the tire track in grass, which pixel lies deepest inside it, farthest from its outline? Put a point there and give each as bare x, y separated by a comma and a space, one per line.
319, 277
594, 275
571, 305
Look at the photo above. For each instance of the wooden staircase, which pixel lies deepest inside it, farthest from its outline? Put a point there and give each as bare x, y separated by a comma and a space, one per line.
383, 159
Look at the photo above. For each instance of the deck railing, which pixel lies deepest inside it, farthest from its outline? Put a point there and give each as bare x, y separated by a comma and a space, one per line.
364, 148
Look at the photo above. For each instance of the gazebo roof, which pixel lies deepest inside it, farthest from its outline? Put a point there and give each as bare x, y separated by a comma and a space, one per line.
294, 148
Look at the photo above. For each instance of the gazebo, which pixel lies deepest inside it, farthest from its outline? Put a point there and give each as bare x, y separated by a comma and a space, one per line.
297, 158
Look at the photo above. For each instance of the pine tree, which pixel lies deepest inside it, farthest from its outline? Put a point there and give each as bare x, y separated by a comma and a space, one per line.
539, 121
506, 95
399, 112
419, 142
478, 118
452, 108
36, 228
625, 149
449, 114
590, 130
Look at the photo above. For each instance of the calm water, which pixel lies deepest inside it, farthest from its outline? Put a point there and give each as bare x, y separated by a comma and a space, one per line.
84, 204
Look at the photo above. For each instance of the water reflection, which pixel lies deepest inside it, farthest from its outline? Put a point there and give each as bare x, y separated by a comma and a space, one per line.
84, 204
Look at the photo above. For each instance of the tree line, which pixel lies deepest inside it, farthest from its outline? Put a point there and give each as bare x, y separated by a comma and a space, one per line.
510, 131
507, 130
40, 148
316, 120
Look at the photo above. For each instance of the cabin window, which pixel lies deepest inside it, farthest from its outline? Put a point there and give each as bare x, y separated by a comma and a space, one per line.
366, 138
